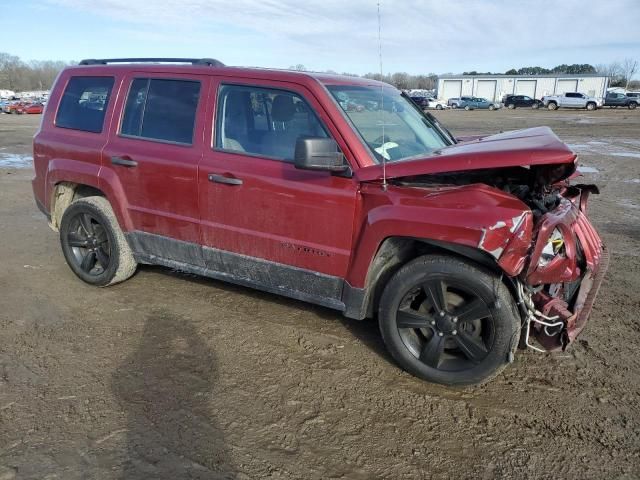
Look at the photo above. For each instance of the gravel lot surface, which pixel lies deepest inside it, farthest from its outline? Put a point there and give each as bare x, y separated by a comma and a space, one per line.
170, 376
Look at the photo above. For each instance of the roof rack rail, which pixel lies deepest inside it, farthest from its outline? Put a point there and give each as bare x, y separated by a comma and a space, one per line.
211, 62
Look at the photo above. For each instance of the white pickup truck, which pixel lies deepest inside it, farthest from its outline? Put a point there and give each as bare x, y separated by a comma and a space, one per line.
571, 100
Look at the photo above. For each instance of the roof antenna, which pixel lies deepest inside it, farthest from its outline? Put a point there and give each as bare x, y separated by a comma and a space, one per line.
381, 108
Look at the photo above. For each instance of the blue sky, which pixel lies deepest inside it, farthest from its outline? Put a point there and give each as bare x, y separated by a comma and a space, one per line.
418, 36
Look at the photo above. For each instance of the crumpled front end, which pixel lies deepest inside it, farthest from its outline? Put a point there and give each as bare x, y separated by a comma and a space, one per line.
543, 241
564, 272
556, 258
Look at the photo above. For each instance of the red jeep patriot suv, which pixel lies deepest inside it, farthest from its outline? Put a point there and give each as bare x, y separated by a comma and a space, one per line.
335, 190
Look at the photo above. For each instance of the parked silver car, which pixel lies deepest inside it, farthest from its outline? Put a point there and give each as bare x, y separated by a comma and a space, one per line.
572, 100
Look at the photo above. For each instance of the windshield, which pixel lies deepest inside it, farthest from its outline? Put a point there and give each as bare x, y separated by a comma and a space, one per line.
389, 123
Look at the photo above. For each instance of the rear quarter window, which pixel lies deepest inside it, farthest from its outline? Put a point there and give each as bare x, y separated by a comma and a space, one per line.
84, 103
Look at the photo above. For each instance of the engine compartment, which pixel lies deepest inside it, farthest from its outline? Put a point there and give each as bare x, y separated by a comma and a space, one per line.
540, 187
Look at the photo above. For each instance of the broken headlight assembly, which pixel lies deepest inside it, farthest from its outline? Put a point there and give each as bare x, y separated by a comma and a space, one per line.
553, 248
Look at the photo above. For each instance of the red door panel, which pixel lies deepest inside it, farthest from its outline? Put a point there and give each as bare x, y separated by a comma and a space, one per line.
159, 179
271, 210
278, 213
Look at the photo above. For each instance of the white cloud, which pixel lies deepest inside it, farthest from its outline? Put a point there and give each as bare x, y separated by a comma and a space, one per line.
416, 34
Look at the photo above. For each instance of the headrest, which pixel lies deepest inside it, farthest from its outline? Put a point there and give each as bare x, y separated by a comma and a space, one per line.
235, 104
282, 109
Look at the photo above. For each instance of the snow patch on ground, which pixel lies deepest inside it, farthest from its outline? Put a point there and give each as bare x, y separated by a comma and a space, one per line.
585, 169
15, 160
577, 146
623, 148
625, 202
626, 154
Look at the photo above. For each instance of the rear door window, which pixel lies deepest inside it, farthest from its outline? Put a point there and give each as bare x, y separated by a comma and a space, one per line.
84, 103
161, 109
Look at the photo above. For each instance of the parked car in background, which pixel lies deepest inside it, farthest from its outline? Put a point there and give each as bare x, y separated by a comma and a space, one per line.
515, 101
616, 100
11, 106
458, 102
480, 104
32, 108
422, 102
428, 103
435, 104
571, 100
349, 104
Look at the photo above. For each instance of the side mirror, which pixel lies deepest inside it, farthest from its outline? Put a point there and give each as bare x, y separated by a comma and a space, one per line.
315, 153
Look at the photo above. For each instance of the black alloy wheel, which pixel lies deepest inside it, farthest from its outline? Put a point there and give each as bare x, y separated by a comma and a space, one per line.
449, 321
89, 244
93, 243
445, 325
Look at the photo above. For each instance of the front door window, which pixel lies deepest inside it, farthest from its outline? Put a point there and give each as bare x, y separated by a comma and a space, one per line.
264, 122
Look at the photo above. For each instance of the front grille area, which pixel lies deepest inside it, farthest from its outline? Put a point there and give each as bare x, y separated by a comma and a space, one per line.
589, 241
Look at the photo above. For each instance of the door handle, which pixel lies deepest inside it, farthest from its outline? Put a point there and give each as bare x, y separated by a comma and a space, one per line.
124, 161
214, 177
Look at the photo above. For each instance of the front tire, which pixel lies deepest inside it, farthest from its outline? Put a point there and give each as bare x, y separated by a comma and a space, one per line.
467, 108
552, 106
454, 106
438, 107
632, 106
591, 106
511, 106
448, 321
93, 243
535, 106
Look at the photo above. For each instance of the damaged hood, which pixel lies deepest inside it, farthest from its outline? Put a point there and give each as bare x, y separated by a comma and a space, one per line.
532, 146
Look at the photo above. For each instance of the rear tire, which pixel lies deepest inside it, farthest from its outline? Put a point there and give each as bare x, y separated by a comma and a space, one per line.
93, 243
448, 321
552, 106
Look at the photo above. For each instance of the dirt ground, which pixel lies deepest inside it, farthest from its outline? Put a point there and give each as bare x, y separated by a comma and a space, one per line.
170, 376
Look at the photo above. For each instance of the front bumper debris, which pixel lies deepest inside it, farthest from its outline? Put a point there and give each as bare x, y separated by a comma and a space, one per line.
558, 296
556, 310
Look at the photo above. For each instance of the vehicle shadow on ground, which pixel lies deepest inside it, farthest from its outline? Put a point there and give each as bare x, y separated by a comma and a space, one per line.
366, 331
166, 388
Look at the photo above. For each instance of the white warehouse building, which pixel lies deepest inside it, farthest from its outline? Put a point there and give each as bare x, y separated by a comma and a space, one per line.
495, 87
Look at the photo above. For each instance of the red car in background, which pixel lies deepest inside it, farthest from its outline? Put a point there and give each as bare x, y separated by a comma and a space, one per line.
13, 106
36, 108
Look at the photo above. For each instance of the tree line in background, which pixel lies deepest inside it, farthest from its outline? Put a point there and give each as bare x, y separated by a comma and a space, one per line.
621, 74
18, 75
